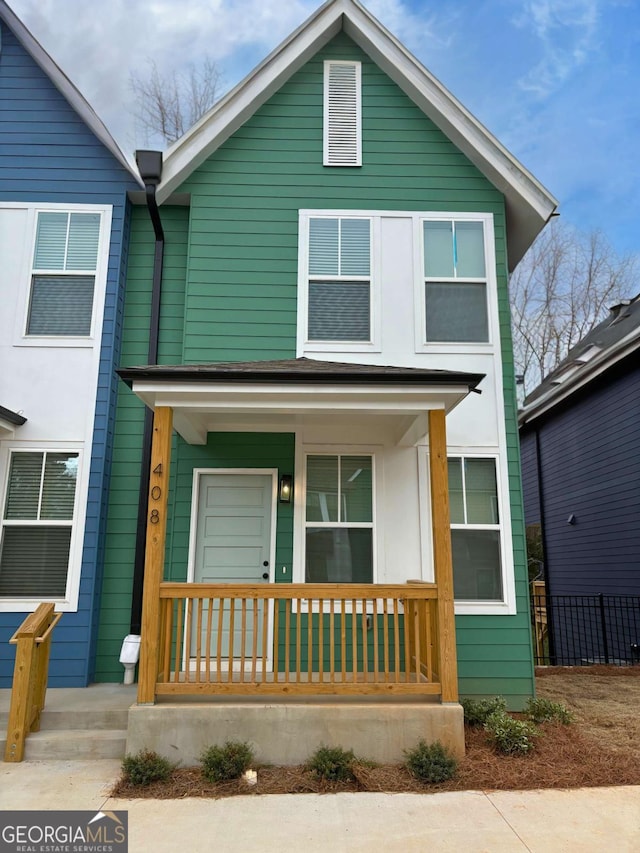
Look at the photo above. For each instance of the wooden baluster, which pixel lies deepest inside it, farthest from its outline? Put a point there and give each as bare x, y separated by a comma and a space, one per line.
376, 672
332, 643
266, 606
232, 638
243, 638
179, 639
343, 638
254, 645
287, 639
396, 638
385, 638
321, 640
276, 640
208, 640
365, 642
219, 639
354, 639
310, 640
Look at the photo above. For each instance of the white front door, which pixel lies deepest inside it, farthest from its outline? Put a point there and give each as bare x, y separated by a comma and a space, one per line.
233, 544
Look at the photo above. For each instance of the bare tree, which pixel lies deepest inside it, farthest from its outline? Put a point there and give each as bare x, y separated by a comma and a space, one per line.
168, 103
560, 290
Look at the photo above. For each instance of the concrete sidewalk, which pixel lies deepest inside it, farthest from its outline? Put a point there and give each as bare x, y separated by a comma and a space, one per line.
585, 820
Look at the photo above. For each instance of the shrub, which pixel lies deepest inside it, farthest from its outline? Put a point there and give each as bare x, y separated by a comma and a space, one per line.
478, 711
146, 767
430, 762
221, 763
546, 711
332, 763
511, 736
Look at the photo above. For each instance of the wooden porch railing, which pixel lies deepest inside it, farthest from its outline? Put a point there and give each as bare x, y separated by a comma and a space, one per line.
293, 639
33, 640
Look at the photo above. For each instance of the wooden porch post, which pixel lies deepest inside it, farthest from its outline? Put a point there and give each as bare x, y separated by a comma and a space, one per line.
154, 553
441, 527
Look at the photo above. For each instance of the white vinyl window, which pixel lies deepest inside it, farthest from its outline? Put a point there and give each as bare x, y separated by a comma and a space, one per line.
339, 280
475, 529
455, 281
339, 519
63, 274
342, 114
37, 524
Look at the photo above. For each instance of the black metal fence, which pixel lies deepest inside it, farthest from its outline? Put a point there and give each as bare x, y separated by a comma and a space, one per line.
580, 630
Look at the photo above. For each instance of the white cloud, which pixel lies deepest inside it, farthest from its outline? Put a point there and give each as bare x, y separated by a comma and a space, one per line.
568, 34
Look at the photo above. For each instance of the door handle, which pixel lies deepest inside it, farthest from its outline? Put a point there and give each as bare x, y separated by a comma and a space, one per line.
265, 576
266, 563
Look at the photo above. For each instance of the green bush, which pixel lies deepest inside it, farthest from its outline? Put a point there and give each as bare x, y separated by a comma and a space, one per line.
430, 762
221, 763
478, 711
146, 767
546, 711
511, 736
332, 763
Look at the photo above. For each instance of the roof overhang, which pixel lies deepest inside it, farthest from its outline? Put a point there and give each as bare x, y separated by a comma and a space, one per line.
9, 422
207, 399
557, 394
528, 204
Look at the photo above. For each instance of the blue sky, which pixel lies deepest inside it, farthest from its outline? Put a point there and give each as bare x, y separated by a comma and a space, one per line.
557, 81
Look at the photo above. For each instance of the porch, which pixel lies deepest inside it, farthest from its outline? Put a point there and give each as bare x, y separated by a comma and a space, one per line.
364, 653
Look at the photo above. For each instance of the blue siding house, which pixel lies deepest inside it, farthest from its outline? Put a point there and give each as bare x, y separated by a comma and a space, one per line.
579, 434
64, 222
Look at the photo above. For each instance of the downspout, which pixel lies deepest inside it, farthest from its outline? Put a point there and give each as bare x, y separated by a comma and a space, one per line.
150, 168
543, 537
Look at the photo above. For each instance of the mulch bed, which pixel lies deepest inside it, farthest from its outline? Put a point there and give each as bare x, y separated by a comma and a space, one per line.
563, 758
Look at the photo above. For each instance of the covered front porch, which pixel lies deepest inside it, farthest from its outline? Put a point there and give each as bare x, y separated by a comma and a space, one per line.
282, 640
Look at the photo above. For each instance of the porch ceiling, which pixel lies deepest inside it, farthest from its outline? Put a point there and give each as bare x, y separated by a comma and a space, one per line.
279, 396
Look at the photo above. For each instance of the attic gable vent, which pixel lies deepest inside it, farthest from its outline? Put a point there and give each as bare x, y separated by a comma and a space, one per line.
342, 114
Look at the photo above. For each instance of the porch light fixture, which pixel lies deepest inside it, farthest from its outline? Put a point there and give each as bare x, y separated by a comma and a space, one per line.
285, 491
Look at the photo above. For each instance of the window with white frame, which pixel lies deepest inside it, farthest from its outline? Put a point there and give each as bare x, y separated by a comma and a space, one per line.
455, 281
339, 519
475, 529
37, 524
342, 114
63, 274
339, 280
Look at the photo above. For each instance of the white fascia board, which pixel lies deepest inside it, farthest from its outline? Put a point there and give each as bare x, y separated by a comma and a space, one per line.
591, 370
66, 88
529, 204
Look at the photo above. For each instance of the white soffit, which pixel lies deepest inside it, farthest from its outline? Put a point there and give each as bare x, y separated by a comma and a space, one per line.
529, 205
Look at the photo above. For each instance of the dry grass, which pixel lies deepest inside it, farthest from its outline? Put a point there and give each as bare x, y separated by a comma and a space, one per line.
601, 748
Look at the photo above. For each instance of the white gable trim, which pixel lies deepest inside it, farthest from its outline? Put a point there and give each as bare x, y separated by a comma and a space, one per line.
529, 204
64, 85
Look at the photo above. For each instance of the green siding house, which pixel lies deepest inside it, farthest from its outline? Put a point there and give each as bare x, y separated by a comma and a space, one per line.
333, 348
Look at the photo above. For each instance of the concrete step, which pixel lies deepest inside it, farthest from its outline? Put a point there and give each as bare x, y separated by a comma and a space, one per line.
108, 718
77, 723
73, 744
